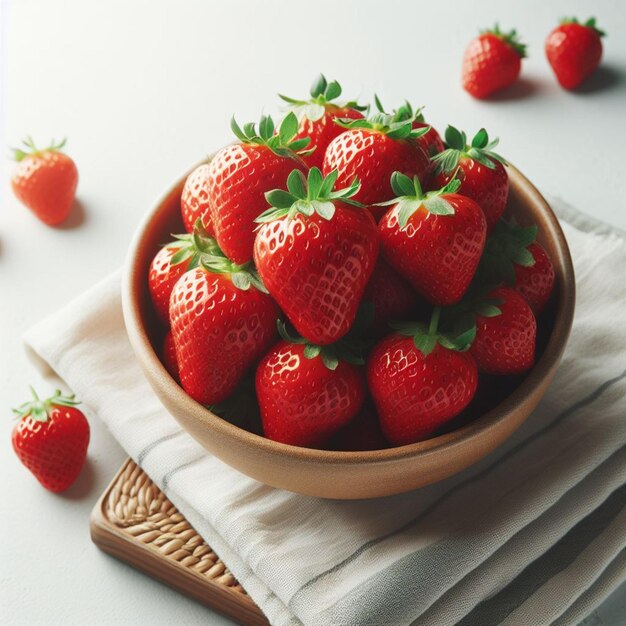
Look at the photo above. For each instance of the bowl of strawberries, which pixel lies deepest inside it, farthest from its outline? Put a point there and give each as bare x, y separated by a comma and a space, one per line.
356, 306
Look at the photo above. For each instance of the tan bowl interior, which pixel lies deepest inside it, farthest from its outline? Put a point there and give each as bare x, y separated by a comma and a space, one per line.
351, 475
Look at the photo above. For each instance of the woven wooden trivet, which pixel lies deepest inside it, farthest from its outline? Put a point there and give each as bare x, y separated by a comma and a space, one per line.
135, 522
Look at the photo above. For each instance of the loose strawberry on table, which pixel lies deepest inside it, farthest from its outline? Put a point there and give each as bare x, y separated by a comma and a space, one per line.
306, 393
574, 51
513, 257
45, 181
222, 322
240, 174
492, 61
194, 200
480, 170
435, 240
51, 439
371, 150
419, 379
315, 253
316, 117
506, 333
171, 262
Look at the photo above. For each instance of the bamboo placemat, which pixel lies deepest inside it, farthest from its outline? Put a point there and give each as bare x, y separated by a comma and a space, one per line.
135, 522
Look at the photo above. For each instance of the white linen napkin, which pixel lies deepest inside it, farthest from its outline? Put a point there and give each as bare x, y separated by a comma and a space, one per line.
533, 534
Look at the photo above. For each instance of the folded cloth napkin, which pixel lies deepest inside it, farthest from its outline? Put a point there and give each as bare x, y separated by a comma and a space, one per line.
533, 534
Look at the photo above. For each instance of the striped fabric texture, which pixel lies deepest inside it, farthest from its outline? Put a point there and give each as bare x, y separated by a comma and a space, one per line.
534, 534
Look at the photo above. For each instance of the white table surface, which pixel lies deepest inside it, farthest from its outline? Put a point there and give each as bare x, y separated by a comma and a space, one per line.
143, 89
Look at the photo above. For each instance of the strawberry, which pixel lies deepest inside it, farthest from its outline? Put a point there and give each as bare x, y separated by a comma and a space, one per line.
371, 150
306, 393
513, 257
574, 51
391, 296
222, 322
51, 439
168, 356
492, 61
480, 170
171, 262
315, 253
419, 380
317, 117
431, 141
506, 333
194, 200
240, 174
45, 181
362, 433
534, 281
434, 240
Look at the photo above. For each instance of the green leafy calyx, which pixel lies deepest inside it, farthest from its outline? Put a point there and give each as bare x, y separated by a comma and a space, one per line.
307, 195
410, 197
506, 248
403, 113
39, 410
331, 354
481, 150
426, 338
590, 23
191, 246
322, 93
30, 149
510, 38
243, 276
397, 125
280, 141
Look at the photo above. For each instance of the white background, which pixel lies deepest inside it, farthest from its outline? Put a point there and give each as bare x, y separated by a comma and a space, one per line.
142, 90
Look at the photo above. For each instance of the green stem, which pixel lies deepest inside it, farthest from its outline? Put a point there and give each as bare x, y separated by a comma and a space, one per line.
434, 321
34, 393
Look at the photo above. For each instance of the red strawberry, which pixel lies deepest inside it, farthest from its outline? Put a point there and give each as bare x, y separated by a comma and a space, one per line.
51, 439
362, 433
222, 322
168, 356
506, 333
391, 296
317, 117
492, 61
240, 174
513, 257
171, 262
45, 181
419, 381
431, 141
574, 51
435, 240
306, 393
371, 150
480, 170
315, 254
194, 200
534, 282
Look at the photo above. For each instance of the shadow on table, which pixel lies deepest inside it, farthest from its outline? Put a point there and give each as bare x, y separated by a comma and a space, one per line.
604, 78
76, 218
519, 90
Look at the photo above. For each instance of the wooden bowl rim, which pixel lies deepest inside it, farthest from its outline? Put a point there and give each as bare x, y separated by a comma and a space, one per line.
447, 442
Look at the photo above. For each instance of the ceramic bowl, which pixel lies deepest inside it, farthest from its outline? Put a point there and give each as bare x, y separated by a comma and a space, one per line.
352, 475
